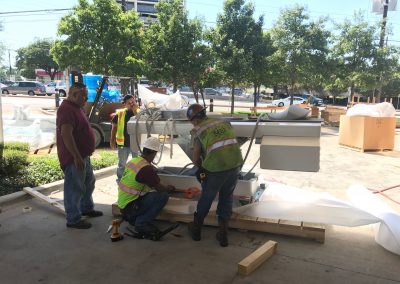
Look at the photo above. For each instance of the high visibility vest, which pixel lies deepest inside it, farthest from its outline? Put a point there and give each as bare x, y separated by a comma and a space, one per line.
128, 188
119, 136
219, 146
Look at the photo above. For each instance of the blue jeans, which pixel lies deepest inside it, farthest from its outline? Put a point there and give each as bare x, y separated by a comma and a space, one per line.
223, 183
123, 154
144, 210
78, 189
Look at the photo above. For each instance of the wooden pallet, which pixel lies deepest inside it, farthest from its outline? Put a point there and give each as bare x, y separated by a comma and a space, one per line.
305, 230
282, 227
364, 150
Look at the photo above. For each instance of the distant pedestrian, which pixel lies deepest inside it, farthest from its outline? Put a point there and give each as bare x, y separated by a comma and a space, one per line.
75, 145
119, 134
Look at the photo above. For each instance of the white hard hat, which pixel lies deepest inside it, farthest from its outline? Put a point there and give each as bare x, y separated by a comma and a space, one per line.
152, 143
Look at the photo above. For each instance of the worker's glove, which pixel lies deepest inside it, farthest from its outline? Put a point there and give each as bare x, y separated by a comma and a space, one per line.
200, 174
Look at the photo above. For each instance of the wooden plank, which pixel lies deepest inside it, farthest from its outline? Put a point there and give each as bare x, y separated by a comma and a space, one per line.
255, 259
45, 198
243, 222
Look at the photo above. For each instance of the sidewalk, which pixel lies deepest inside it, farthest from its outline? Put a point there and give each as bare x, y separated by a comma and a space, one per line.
37, 247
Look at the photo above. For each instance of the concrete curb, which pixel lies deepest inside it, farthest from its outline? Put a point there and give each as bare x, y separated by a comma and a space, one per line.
46, 188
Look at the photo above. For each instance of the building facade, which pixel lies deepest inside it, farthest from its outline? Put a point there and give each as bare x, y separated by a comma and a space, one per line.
145, 8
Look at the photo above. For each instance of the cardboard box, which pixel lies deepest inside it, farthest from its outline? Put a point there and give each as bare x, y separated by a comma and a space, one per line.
367, 133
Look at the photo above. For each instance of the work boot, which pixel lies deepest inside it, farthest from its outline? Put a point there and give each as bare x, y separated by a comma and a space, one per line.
195, 228
222, 234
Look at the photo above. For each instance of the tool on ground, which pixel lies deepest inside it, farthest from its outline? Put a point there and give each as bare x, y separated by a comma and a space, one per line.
189, 193
115, 235
155, 236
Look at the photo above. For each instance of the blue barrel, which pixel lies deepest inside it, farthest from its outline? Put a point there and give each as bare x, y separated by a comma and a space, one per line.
93, 82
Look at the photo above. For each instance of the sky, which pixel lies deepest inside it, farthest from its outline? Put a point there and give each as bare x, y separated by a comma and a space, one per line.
19, 30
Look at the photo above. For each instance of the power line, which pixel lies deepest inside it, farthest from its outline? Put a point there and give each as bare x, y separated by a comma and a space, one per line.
34, 11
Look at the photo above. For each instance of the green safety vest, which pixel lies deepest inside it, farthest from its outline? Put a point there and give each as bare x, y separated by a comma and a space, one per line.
128, 188
219, 145
120, 137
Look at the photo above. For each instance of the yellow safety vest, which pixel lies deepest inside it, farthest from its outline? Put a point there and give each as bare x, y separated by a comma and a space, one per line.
221, 149
120, 137
128, 188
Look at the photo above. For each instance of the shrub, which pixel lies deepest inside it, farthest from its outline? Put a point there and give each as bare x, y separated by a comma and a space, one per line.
104, 159
19, 146
12, 161
44, 169
39, 170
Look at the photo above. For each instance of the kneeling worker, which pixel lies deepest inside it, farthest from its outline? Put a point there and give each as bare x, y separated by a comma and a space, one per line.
141, 196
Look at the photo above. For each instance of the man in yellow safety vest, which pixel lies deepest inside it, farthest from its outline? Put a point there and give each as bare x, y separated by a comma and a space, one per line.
217, 154
119, 135
141, 196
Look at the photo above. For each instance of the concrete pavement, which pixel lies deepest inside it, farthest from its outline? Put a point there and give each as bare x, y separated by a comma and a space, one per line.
37, 247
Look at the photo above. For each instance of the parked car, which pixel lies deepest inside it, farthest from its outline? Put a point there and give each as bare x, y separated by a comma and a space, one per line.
25, 87
186, 91
237, 92
54, 87
313, 99
286, 101
212, 92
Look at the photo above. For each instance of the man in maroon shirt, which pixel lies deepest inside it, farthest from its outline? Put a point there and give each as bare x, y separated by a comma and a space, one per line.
75, 145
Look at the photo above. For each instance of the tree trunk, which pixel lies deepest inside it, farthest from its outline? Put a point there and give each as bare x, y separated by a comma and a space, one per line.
232, 99
255, 95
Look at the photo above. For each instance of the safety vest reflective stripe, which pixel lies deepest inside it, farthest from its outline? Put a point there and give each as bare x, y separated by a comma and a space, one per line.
200, 129
136, 167
220, 144
120, 137
128, 189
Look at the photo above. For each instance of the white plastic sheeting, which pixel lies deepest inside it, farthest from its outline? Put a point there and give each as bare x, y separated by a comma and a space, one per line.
38, 132
285, 202
161, 101
379, 110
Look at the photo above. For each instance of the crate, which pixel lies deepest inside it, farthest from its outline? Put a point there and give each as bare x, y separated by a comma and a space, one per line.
367, 133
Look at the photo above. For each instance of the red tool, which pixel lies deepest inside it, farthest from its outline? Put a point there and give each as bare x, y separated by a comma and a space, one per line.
189, 193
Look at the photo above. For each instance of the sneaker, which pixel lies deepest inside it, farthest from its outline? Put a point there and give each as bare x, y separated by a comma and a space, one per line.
93, 213
82, 224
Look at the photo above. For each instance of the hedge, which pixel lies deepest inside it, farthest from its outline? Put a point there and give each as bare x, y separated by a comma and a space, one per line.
19, 169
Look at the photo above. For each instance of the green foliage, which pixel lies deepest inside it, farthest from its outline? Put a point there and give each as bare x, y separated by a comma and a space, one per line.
19, 146
233, 40
12, 161
173, 45
354, 53
106, 159
38, 170
100, 38
302, 47
37, 56
44, 169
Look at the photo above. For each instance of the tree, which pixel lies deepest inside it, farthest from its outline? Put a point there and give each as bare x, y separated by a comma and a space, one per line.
36, 56
355, 52
100, 38
302, 47
172, 44
387, 66
231, 40
262, 49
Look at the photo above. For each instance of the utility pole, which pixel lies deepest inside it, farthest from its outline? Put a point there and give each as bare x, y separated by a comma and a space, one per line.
381, 44
9, 62
383, 24
124, 5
